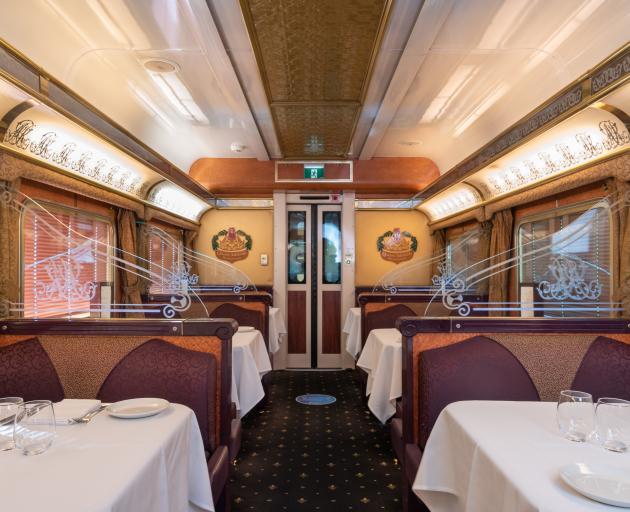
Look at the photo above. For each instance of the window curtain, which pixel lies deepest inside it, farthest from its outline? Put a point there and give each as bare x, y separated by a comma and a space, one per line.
483, 253
500, 245
189, 238
9, 250
127, 243
439, 246
619, 195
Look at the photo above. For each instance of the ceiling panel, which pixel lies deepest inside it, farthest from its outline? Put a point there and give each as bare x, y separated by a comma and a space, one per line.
488, 65
315, 59
98, 48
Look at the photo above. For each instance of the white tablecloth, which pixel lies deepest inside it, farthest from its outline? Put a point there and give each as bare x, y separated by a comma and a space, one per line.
250, 361
352, 327
277, 329
154, 464
382, 359
496, 456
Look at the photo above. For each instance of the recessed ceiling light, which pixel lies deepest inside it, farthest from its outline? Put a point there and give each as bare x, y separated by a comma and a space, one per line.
410, 142
160, 66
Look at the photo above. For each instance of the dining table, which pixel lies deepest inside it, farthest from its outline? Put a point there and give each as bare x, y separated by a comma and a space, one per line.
153, 464
277, 329
352, 327
250, 361
484, 456
381, 358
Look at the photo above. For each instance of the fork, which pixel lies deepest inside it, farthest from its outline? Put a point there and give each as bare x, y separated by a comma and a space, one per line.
87, 417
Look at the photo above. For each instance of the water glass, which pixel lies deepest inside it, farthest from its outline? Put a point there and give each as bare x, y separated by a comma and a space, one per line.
612, 416
8, 409
34, 427
575, 415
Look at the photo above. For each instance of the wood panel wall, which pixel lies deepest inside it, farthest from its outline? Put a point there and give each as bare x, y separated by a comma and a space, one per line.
296, 321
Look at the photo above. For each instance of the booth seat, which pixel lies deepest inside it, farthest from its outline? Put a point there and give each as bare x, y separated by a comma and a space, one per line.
186, 362
450, 360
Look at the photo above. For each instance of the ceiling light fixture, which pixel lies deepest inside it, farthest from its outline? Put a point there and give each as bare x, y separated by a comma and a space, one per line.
165, 74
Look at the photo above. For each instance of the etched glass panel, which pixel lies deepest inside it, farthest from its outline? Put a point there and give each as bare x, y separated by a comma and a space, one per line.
65, 268
572, 277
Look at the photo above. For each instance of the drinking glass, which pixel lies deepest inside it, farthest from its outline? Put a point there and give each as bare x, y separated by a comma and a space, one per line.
34, 427
612, 416
8, 408
575, 415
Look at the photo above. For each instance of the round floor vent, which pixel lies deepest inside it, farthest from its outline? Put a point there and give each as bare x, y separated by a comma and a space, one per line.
314, 399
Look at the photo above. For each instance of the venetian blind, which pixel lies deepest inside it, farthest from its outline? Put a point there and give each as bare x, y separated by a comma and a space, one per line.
165, 255
566, 259
66, 259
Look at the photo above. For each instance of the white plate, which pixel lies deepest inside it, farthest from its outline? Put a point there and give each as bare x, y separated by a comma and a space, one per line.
137, 407
601, 483
244, 328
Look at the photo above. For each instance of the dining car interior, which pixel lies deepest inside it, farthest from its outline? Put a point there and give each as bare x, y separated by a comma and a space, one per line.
314, 255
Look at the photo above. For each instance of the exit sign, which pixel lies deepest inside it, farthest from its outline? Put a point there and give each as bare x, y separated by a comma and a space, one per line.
313, 171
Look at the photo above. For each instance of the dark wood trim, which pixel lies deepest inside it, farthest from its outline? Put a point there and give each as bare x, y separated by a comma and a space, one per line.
409, 326
222, 328
296, 321
331, 321
409, 297
259, 296
226, 387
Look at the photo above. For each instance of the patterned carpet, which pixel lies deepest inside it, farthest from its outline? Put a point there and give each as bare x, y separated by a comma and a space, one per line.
307, 458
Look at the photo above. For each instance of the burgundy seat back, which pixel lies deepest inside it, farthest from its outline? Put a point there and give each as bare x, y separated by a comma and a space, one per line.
475, 369
159, 369
27, 371
244, 317
605, 370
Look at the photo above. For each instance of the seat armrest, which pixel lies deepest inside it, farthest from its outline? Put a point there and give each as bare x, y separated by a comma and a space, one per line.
219, 469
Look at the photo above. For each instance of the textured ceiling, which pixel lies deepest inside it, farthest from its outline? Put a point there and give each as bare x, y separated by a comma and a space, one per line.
315, 60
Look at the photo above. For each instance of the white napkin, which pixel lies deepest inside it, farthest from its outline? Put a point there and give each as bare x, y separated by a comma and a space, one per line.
68, 409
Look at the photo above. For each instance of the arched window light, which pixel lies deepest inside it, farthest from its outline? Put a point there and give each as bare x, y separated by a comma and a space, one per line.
40, 133
176, 200
584, 138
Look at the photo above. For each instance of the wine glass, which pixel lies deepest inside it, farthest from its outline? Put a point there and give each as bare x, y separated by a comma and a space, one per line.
612, 416
575, 415
34, 427
8, 408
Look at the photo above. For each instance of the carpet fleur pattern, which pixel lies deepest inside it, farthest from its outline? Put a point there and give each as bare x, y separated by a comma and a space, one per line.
300, 458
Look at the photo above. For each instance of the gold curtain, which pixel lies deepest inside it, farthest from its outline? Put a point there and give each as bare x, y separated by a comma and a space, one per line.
189, 247
482, 254
439, 245
127, 243
500, 244
619, 194
9, 249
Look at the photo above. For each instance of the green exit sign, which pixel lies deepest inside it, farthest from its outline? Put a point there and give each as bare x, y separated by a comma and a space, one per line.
313, 172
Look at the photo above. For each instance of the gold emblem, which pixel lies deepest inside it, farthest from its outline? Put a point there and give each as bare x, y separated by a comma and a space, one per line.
397, 246
231, 244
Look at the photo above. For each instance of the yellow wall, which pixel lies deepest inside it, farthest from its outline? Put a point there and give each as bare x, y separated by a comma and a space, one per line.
370, 267
256, 223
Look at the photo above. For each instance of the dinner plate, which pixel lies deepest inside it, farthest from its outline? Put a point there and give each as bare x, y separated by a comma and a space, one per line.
137, 407
244, 328
598, 482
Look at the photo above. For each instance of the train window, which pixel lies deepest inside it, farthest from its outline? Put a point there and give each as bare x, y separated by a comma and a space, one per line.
464, 256
565, 265
67, 266
165, 254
